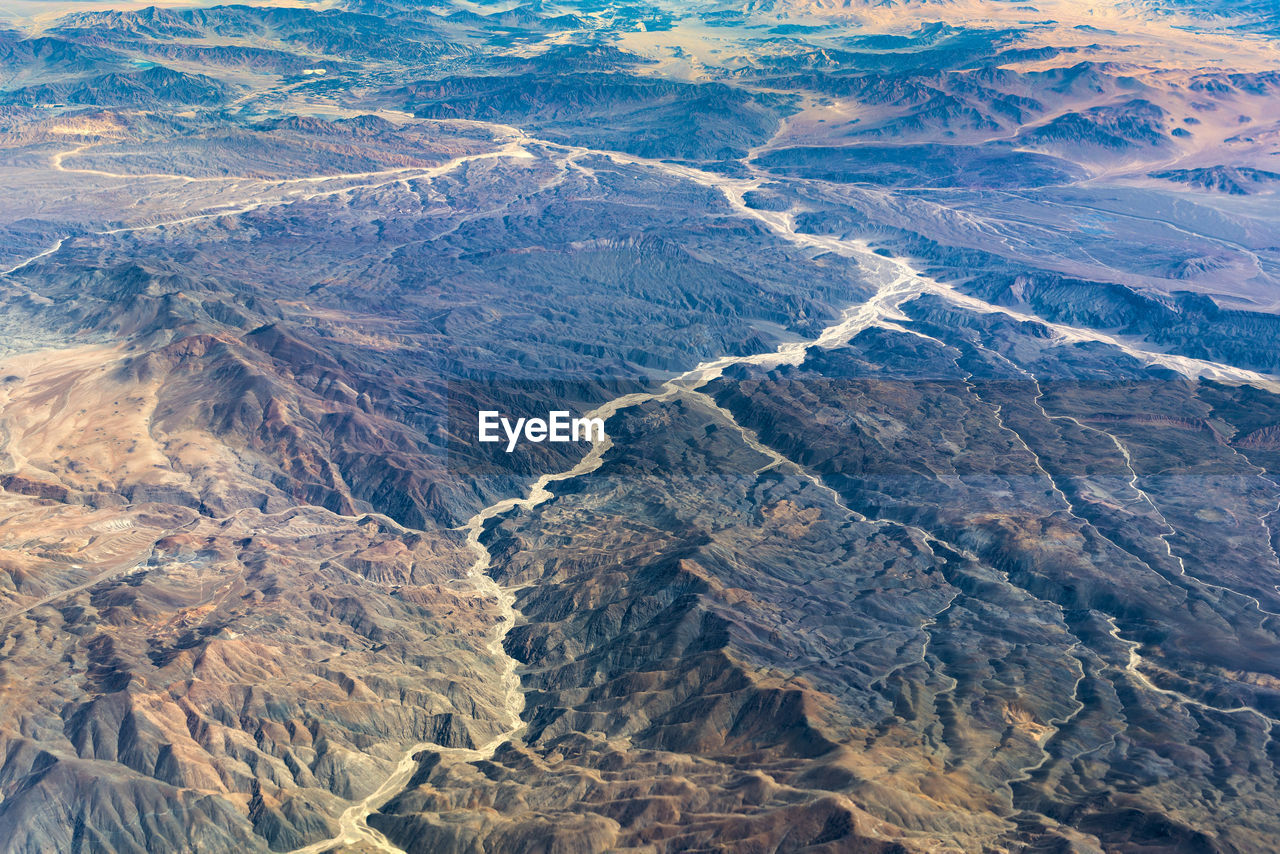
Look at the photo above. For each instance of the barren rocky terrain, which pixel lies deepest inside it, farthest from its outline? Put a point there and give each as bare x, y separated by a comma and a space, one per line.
936, 346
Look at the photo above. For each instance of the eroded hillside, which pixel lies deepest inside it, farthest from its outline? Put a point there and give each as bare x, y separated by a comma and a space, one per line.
936, 349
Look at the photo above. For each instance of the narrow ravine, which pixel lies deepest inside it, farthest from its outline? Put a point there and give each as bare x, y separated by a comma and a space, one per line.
899, 284
511, 149
782, 224
880, 310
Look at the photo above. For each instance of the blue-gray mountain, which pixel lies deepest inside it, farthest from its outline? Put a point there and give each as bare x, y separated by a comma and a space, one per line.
937, 345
